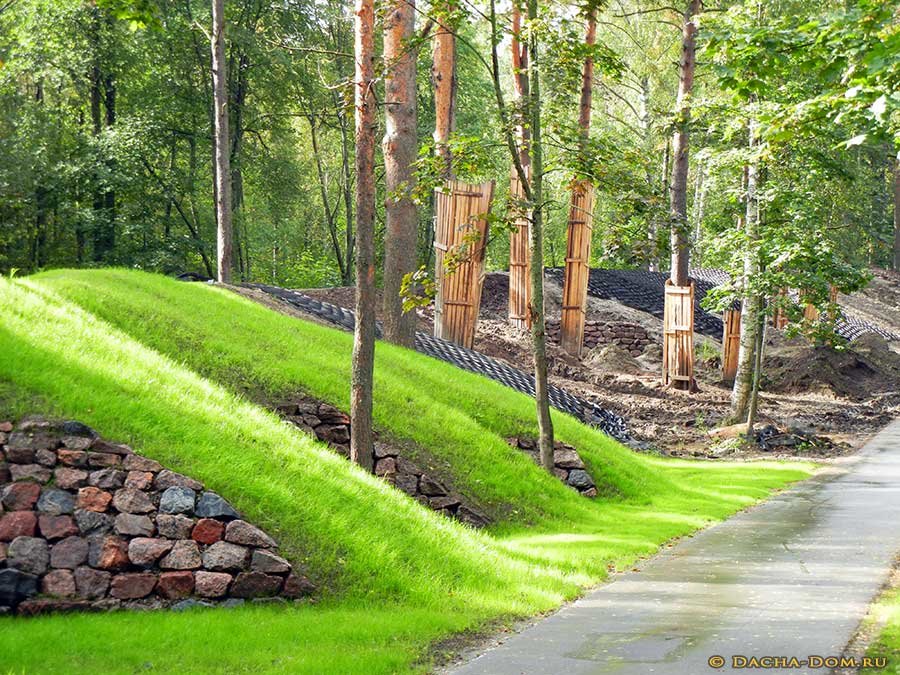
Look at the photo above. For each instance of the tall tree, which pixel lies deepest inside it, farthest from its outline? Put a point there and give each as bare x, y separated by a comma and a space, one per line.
680, 144
443, 77
222, 144
897, 213
399, 148
363, 363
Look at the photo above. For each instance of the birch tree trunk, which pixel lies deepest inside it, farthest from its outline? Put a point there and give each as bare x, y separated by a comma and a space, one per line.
751, 302
536, 244
680, 144
222, 144
399, 148
443, 77
361, 381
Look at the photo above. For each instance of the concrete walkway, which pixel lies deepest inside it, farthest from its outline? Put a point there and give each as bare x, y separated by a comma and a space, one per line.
791, 577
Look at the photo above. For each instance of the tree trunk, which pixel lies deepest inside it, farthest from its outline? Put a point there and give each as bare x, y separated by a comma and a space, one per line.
329, 213
538, 332
751, 304
109, 196
443, 77
897, 214
222, 145
757, 375
237, 172
361, 441
399, 148
680, 142
347, 189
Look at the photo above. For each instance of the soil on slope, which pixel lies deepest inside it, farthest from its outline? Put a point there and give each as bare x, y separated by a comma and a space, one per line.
819, 402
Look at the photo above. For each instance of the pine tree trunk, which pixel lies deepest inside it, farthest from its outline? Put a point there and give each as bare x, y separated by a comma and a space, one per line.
443, 77
751, 305
897, 214
399, 148
222, 144
680, 144
361, 439
538, 332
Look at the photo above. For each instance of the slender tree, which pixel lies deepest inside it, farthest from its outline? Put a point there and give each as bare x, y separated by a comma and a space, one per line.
361, 440
443, 77
897, 213
222, 144
399, 148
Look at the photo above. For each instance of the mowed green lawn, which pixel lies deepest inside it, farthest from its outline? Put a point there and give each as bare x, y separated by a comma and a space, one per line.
173, 369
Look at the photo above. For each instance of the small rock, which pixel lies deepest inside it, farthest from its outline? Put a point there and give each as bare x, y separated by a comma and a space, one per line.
45, 458
405, 466
93, 499
90, 583
103, 459
144, 464
431, 487
144, 551
32, 472
208, 531
296, 586
177, 500
77, 442
385, 466
225, 557
39, 606
174, 527
268, 563
28, 554
384, 450
580, 479
5, 476
129, 500
91, 522
211, 584
255, 585
188, 604
6, 427
211, 505
590, 493
139, 480
20, 496
69, 553
242, 532
17, 524
70, 479
16, 585
57, 527
185, 555
78, 430
19, 454
106, 447
73, 458
406, 482
166, 479
133, 525
59, 584
133, 585
108, 553
231, 603
567, 458
55, 502
107, 479
175, 585
447, 502
471, 517
333, 433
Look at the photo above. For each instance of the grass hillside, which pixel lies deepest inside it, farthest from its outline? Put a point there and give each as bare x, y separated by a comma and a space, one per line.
174, 368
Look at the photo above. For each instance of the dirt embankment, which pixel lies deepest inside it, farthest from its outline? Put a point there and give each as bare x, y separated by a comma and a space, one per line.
828, 401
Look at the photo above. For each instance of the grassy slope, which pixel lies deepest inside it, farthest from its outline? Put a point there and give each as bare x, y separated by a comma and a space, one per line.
887, 644
164, 364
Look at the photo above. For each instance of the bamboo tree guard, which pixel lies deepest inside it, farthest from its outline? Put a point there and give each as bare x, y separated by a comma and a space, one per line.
779, 318
519, 257
460, 236
731, 343
678, 336
578, 257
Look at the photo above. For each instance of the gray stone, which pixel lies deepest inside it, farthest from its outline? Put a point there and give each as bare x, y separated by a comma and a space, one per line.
211, 505
430, 487
70, 479
134, 525
28, 554
185, 555
91, 522
255, 585
33, 472
174, 527
567, 458
232, 603
211, 584
166, 479
138, 463
177, 500
242, 532
15, 586
580, 479
55, 502
225, 557
190, 603
144, 551
45, 458
90, 583
69, 553
268, 563
129, 500
107, 479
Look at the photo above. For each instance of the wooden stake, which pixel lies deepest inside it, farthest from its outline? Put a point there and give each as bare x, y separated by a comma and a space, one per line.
578, 254
731, 343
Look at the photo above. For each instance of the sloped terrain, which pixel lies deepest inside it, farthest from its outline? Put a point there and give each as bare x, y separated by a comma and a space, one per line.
174, 370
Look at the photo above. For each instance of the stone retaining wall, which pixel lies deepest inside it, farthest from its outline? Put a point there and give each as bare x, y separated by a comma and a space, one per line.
567, 464
88, 524
332, 426
630, 336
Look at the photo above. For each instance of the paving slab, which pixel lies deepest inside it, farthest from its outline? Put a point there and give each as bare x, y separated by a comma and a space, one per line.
791, 577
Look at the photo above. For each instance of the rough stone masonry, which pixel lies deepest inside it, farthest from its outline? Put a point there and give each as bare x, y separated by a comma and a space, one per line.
86, 524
